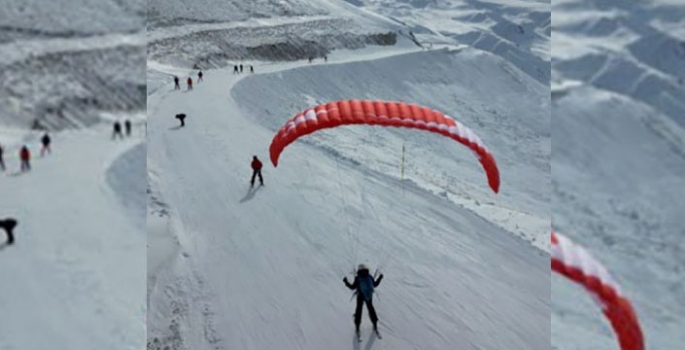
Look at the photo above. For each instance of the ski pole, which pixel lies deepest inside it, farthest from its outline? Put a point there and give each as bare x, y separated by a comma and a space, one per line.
402, 171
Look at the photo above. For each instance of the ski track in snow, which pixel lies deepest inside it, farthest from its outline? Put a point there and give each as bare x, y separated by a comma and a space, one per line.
253, 269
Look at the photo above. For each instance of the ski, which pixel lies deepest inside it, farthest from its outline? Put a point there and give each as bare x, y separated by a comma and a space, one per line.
378, 335
359, 337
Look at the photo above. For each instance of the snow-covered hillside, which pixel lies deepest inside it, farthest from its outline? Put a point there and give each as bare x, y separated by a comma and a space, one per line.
64, 62
230, 267
618, 162
210, 34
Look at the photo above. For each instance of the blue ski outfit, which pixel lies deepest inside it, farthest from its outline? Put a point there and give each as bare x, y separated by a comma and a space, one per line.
363, 286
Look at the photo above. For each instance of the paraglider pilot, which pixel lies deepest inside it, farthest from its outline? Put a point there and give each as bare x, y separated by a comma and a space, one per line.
363, 286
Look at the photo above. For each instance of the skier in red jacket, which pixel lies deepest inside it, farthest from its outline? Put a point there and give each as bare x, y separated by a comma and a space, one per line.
256, 170
190, 83
25, 157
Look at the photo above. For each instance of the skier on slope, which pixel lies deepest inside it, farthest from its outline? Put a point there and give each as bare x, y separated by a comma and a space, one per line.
8, 225
241, 68
117, 130
127, 126
199, 76
190, 83
235, 69
251, 69
181, 117
256, 170
2, 162
25, 157
45, 141
177, 86
363, 286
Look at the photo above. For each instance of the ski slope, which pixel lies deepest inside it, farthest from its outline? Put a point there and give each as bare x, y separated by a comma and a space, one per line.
619, 160
74, 277
230, 267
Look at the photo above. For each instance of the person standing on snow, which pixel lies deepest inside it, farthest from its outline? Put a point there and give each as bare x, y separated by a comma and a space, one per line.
2, 162
190, 83
181, 117
251, 69
177, 86
8, 225
127, 126
117, 130
199, 76
235, 69
241, 68
45, 140
363, 286
25, 157
256, 170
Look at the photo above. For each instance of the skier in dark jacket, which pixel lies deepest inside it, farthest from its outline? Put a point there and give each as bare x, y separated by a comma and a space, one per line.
9, 224
251, 69
235, 69
45, 140
117, 130
25, 157
127, 126
181, 117
363, 286
190, 83
241, 68
256, 170
2, 162
177, 86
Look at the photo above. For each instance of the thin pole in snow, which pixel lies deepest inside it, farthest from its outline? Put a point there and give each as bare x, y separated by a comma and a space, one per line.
402, 166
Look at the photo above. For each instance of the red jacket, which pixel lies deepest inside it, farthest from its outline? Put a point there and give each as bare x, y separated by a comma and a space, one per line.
256, 164
24, 154
190, 81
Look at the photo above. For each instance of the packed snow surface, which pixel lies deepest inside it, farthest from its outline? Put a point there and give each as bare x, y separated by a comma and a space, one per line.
75, 275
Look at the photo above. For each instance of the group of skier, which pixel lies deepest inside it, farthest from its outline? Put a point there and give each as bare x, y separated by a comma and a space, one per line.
238, 68
311, 58
189, 81
25, 154
117, 129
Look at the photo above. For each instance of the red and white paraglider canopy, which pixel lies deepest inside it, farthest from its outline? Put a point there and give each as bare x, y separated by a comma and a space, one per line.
383, 113
575, 263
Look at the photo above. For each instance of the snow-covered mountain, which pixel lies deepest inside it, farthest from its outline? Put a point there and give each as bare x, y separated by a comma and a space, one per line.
234, 267
518, 31
618, 162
